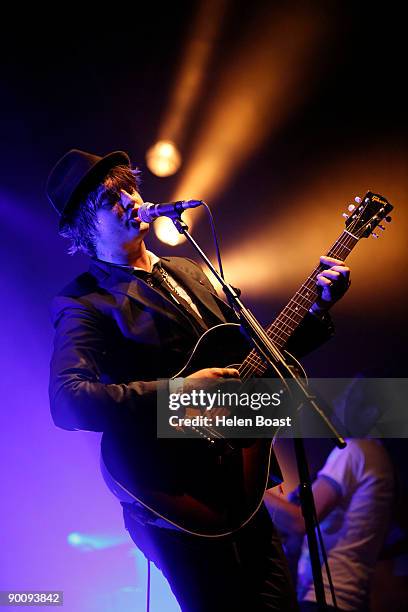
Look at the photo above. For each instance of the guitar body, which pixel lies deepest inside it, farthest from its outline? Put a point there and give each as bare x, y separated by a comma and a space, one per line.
202, 488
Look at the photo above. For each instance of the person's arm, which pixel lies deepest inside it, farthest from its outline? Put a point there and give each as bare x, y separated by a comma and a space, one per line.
311, 333
78, 396
288, 516
317, 326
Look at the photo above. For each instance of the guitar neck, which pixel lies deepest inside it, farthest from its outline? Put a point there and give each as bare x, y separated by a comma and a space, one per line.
282, 328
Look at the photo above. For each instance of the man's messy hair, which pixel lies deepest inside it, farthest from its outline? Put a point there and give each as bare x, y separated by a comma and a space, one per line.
80, 227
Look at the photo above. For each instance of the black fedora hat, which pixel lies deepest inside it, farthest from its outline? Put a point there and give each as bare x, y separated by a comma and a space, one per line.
76, 173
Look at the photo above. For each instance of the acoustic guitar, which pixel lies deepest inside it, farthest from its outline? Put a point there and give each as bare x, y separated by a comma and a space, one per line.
206, 489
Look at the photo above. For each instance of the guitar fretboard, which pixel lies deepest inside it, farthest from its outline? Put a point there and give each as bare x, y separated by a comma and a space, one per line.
282, 328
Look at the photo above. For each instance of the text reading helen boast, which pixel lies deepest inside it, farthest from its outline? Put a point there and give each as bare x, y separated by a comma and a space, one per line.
207, 402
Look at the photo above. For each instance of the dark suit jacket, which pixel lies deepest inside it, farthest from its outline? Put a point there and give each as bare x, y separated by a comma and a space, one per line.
116, 335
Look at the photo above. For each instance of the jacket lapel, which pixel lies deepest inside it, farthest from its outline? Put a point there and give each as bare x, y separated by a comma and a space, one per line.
183, 271
120, 281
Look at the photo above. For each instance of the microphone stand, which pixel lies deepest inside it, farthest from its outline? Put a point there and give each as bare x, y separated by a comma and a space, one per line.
274, 358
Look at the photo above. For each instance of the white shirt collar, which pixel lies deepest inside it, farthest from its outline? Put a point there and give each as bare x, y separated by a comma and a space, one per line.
153, 261
152, 257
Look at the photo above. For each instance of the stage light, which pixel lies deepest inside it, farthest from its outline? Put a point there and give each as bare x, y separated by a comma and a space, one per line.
163, 158
166, 232
190, 80
74, 539
88, 542
188, 88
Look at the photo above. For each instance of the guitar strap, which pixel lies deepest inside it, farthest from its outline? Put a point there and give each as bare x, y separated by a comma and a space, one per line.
158, 279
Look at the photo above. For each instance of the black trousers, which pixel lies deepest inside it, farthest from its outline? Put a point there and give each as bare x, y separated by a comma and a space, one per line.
246, 571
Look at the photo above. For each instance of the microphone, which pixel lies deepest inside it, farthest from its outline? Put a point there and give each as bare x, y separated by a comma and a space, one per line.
148, 211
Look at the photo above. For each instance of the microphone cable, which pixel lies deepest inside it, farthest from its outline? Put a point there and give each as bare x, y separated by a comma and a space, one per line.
214, 233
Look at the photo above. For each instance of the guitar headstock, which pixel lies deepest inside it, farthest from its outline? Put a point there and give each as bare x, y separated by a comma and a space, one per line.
367, 214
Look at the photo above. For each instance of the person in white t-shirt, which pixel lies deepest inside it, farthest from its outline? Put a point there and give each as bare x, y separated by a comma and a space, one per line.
353, 494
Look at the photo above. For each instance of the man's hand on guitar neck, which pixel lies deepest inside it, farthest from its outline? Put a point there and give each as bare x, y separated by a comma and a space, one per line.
332, 283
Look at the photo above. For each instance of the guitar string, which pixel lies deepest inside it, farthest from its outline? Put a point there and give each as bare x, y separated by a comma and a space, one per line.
340, 245
253, 361
305, 299
275, 330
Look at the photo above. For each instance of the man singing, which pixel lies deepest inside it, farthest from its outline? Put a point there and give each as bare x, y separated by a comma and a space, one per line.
129, 321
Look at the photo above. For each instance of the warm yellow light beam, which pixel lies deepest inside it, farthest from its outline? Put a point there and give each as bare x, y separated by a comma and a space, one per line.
258, 88
192, 71
276, 257
188, 87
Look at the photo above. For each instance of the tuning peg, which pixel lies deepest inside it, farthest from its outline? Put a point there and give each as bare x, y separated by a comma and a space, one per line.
381, 227
388, 219
351, 207
345, 215
375, 235
357, 199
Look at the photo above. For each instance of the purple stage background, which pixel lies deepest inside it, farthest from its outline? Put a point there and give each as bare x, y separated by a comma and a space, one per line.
102, 84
